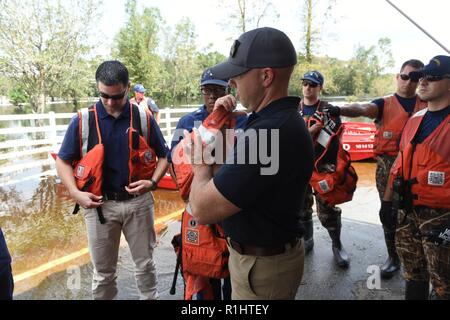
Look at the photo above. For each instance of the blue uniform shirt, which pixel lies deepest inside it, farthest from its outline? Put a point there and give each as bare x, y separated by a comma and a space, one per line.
430, 122
188, 121
114, 138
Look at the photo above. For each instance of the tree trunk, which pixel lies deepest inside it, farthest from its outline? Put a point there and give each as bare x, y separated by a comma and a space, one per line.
308, 53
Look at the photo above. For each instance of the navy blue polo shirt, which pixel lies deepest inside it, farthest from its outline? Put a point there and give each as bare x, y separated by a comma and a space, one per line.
407, 103
271, 204
115, 140
430, 121
195, 119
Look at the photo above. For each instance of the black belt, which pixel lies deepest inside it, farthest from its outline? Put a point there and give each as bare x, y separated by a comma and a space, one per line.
119, 196
262, 251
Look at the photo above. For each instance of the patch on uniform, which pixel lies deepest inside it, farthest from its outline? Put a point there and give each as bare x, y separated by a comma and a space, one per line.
148, 157
387, 134
192, 236
436, 178
324, 186
80, 171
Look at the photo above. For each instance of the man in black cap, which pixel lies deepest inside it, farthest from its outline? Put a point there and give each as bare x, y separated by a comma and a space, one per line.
259, 206
420, 177
329, 215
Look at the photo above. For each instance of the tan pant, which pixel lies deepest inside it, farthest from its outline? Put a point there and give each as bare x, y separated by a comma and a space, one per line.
266, 278
135, 219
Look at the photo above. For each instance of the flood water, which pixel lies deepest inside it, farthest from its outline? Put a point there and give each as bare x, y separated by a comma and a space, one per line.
36, 218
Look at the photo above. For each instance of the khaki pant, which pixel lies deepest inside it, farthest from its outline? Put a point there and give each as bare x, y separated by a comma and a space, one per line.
266, 278
135, 219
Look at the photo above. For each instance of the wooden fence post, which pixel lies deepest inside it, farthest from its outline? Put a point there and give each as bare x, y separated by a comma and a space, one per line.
53, 134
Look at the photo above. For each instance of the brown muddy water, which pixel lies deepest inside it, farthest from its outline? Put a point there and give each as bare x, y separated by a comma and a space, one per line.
39, 228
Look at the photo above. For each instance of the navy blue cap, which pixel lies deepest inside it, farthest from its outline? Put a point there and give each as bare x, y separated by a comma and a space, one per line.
139, 88
258, 48
208, 78
438, 66
314, 76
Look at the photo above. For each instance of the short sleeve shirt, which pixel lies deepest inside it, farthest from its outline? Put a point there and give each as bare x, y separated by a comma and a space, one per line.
270, 190
407, 103
114, 138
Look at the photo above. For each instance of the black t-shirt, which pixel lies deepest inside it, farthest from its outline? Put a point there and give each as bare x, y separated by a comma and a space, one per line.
407, 103
270, 203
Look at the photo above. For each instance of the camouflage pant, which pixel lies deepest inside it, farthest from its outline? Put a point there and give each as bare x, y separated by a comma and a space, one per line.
384, 164
422, 259
329, 216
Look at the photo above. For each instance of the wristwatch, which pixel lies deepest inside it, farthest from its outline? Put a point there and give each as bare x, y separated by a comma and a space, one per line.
154, 185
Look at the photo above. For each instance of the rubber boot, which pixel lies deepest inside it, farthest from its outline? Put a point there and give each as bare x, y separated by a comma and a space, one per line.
392, 264
308, 236
339, 253
417, 290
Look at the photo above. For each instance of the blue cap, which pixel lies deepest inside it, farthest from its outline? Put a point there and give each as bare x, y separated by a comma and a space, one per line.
208, 78
314, 76
139, 88
438, 66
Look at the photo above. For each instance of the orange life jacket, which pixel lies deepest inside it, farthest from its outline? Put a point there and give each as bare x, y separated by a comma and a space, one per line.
333, 179
217, 120
425, 166
88, 171
388, 135
204, 252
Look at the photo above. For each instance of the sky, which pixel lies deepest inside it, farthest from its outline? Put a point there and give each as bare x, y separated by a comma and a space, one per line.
353, 23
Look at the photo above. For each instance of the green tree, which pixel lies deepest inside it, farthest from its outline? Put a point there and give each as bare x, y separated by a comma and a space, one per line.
41, 41
136, 46
207, 58
313, 23
181, 64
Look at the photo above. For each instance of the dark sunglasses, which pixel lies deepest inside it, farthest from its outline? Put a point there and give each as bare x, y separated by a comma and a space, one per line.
435, 78
115, 97
406, 77
310, 84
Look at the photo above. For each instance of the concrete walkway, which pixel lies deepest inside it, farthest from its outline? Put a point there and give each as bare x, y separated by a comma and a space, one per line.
362, 237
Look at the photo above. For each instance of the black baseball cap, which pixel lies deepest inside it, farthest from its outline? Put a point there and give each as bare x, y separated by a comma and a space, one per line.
438, 66
258, 48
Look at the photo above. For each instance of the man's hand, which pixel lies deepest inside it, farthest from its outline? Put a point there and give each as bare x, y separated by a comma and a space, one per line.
87, 200
315, 129
332, 110
228, 102
139, 187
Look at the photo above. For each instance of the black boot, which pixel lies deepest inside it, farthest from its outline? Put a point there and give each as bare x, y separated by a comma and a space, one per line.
416, 290
308, 236
340, 255
392, 264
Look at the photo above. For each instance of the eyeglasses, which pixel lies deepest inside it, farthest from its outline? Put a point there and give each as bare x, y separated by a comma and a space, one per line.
310, 84
435, 78
215, 92
115, 97
406, 77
